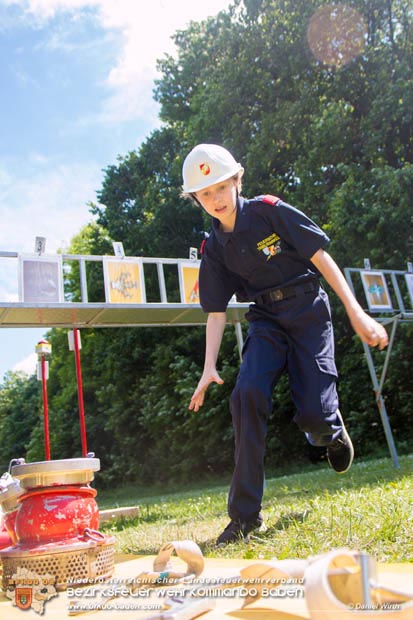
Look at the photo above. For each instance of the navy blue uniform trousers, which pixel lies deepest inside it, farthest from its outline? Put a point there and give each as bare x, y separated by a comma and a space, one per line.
293, 335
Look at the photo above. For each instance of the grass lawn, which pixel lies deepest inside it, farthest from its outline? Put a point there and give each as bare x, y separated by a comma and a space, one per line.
370, 509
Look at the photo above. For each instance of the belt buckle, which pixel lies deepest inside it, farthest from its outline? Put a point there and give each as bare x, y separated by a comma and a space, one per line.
277, 295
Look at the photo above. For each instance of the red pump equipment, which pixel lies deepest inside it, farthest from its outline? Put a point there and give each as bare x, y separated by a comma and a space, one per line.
51, 515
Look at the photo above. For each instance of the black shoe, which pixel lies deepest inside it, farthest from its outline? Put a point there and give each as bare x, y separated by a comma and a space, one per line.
340, 453
237, 530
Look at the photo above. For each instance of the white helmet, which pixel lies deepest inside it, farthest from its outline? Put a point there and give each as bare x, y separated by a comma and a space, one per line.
206, 165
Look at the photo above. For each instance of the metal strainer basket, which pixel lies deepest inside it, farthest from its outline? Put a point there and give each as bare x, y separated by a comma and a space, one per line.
71, 564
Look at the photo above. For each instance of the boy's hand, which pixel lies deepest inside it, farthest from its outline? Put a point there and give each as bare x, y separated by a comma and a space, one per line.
369, 330
198, 396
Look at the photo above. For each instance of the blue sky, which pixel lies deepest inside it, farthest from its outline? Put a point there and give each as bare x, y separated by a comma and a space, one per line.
76, 92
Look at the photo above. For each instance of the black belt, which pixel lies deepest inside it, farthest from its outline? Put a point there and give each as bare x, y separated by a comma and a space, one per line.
285, 293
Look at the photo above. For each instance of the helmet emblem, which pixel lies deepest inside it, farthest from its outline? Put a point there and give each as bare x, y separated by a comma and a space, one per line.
205, 169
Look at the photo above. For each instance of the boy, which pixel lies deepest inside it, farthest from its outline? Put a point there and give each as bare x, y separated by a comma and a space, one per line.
271, 254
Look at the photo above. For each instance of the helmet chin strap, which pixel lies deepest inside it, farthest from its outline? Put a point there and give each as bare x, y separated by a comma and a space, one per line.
195, 199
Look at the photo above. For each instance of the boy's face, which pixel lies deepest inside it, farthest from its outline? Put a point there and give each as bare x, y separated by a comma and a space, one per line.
220, 200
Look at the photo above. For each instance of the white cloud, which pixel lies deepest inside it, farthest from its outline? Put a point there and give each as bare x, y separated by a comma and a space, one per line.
145, 36
47, 9
40, 196
27, 365
49, 201
8, 279
24, 79
5, 178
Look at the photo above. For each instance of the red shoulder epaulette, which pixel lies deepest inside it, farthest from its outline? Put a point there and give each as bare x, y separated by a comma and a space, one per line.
202, 246
270, 200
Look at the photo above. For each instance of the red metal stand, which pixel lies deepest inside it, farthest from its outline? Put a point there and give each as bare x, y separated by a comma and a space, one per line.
76, 337
51, 515
45, 409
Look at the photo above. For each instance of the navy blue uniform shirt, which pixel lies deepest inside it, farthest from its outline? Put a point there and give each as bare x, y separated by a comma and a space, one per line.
270, 247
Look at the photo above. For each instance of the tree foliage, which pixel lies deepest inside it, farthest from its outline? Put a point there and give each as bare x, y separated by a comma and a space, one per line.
331, 135
20, 400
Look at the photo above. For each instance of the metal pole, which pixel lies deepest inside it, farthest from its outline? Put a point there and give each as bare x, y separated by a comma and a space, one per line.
161, 280
240, 340
80, 392
83, 281
388, 353
45, 409
382, 407
376, 386
364, 561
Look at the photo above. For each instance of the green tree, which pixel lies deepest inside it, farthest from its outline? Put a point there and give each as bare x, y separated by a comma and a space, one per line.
140, 202
92, 239
309, 131
20, 415
335, 140
332, 135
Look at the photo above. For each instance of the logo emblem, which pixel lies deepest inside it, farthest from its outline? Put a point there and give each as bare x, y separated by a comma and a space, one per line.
28, 590
272, 250
23, 597
205, 169
270, 246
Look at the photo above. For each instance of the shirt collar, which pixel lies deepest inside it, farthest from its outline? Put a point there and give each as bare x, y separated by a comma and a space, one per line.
242, 222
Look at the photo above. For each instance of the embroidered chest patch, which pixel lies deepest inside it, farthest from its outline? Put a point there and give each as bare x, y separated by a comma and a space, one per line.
271, 246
